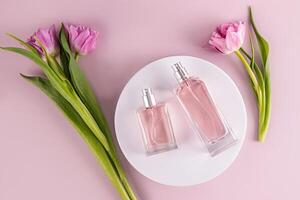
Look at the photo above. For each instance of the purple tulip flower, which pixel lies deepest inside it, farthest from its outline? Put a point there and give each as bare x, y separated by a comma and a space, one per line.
82, 39
47, 37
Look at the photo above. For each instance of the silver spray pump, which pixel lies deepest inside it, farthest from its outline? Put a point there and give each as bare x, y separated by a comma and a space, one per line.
180, 72
148, 98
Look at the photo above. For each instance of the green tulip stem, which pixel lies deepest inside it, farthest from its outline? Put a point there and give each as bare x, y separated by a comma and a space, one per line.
249, 70
66, 89
259, 91
264, 81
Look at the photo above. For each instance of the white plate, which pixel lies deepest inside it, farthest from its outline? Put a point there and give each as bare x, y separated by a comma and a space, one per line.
190, 164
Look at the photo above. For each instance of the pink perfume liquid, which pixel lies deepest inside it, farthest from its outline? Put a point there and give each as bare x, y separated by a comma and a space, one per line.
202, 111
156, 126
194, 95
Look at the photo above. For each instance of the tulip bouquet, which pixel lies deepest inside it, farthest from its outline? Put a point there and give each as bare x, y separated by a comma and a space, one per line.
229, 38
63, 81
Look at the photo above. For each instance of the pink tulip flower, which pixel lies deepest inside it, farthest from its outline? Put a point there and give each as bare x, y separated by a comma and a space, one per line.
229, 37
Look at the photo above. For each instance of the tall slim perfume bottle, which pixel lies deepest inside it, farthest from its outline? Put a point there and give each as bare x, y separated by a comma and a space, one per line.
203, 112
156, 126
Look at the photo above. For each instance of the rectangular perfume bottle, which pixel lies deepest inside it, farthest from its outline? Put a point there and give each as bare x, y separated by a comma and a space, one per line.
203, 112
156, 126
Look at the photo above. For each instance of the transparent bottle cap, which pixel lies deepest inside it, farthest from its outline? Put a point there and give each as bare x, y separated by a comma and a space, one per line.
180, 72
148, 98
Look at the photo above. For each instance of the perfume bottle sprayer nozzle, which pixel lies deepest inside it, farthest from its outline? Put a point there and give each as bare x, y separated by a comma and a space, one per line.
180, 72
148, 98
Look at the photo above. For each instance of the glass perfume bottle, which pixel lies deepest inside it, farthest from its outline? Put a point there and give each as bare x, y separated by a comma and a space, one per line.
208, 121
156, 126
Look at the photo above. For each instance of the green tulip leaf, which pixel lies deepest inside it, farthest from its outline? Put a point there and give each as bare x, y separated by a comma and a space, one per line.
255, 67
65, 51
63, 38
52, 76
86, 94
32, 56
268, 100
262, 43
24, 44
82, 87
84, 131
76, 100
64, 59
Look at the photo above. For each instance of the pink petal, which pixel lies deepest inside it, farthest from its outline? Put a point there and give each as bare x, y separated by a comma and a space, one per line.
232, 41
219, 44
89, 44
80, 39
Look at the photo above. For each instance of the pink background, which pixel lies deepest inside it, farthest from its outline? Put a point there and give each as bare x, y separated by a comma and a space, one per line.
41, 155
